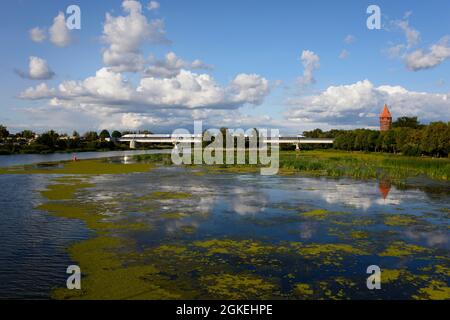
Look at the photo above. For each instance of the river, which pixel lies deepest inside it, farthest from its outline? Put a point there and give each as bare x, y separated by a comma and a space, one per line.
290, 236
22, 159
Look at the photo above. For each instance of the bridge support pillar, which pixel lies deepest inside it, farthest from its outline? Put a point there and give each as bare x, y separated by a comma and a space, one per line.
132, 144
297, 147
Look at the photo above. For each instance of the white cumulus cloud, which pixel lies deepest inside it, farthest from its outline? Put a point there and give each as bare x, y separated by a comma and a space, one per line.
361, 102
153, 5
436, 54
187, 90
39, 92
126, 34
171, 66
310, 62
411, 34
37, 34
38, 69
59, 33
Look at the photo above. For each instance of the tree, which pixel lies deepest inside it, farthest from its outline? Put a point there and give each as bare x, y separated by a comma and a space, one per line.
406, 122
436, 139
91, 136
116, 134
48, 139
4, 133
104, 134
388, 141
27, 134
316, 133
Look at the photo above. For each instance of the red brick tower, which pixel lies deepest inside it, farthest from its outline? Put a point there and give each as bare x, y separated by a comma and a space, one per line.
385, 119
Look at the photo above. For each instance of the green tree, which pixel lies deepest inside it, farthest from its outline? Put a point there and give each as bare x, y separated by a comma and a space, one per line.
316, 133
4, 133
90, 136
388, 141
116, 134
104, 134
48, 139
406, 122
27, 134
436, 139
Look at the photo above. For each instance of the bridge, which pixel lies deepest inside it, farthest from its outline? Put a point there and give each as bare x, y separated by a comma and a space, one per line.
191, 138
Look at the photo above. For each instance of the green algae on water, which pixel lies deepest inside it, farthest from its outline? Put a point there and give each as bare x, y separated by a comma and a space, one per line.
238, 286
401, 249
400, 220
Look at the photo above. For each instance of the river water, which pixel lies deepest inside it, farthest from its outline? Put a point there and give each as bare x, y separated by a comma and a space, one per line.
275, 211
22, 159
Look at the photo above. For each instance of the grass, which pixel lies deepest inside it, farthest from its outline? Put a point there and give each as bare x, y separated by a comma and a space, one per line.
363, 165
333, 163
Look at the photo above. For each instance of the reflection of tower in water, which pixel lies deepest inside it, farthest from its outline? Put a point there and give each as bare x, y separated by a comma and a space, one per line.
385, 187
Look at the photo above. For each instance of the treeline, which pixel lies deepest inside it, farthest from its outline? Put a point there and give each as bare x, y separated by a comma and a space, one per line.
407, 137
51, 141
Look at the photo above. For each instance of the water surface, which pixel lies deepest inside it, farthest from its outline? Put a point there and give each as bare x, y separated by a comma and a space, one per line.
289, 236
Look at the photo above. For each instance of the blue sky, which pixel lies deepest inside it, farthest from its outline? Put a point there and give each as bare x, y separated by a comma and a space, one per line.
232, 63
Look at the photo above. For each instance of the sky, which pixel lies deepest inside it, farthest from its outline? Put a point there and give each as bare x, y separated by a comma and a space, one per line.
161, 65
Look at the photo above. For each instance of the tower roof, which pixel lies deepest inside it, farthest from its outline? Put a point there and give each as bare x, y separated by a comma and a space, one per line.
385, 113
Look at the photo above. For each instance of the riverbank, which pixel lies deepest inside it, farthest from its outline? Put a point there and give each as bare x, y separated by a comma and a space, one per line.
318, 163
356, 165
361, 165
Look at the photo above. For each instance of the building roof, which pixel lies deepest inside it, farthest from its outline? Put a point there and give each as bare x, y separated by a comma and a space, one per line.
385, 113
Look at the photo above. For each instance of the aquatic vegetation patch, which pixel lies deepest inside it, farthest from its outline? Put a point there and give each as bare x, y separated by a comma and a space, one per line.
435, 290
64, 191
189, 229
321, 214
303, 291
401, 249
88, 213
238, 286
172, 215
359, 235
242, 248
400, 220
354, 222
165, 195
328, 253
390, 275
106, 276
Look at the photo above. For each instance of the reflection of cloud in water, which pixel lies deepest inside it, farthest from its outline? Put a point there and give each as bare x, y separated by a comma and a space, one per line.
307, 230
358, 195
204, 198
175, 226
248, 201
205, 205
432, 238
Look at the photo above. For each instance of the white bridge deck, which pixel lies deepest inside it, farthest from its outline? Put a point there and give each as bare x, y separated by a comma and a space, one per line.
187, 138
